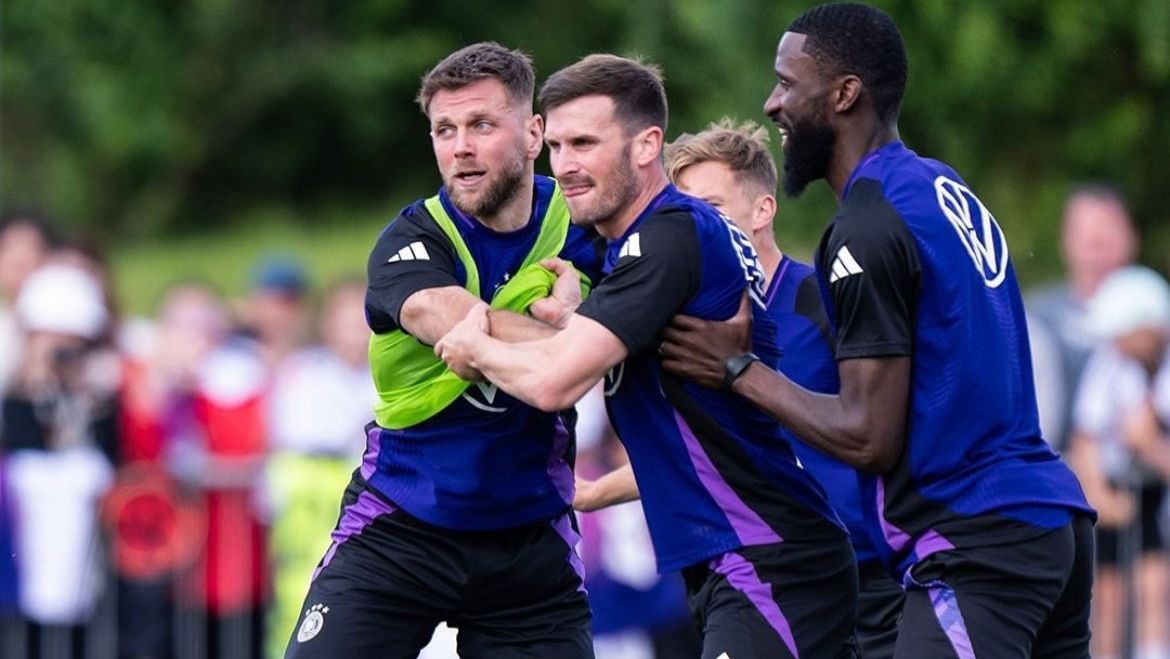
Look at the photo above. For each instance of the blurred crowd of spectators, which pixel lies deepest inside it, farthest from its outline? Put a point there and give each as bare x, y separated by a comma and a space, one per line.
1099, 347
167, 484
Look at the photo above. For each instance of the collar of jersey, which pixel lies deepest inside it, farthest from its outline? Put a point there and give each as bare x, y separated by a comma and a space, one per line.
542, 192
886, 150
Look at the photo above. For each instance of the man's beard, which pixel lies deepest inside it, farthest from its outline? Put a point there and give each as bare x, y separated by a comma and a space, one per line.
620, 189
808, 154
499, 192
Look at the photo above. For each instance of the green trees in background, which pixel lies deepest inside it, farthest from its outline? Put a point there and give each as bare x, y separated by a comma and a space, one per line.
140, 119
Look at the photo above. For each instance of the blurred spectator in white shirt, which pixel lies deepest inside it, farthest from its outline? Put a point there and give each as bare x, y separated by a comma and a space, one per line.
1120, 452
1097, 238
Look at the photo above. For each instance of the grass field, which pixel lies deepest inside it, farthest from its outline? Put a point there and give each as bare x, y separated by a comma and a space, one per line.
330, 247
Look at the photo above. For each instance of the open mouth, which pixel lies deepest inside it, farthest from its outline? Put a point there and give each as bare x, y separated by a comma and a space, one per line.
470, 177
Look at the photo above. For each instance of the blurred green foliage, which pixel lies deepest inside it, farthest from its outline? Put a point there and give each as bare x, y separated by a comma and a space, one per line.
141, 122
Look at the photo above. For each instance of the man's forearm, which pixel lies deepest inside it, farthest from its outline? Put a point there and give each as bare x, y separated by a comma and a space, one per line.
825, 422
429, 314
611, 489
511, 327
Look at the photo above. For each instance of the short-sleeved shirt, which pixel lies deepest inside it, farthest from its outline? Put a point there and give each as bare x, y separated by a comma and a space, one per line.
1112, 388
715, 473
804, 336
915, 265
487, 461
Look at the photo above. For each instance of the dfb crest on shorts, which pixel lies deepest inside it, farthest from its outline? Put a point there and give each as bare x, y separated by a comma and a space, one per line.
313, 622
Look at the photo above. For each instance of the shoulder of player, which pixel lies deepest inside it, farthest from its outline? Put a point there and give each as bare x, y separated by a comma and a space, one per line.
670, 231
413, 222
868, 216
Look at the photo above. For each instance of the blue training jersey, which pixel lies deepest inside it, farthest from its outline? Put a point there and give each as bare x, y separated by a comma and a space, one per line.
804, 336
715, 473
487, 461
913, 264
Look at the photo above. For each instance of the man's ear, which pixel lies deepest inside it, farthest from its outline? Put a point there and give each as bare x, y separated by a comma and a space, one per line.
845, 97
534, 136
647, 146
763, 211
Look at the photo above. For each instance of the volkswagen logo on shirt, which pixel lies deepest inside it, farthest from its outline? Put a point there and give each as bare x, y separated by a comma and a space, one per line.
976, 228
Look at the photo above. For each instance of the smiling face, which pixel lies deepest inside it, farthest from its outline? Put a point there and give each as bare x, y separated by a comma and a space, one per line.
799, 107
484, 145
590, 156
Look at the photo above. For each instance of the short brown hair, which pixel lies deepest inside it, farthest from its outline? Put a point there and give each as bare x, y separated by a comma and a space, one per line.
486, 59
635, 87
742, 147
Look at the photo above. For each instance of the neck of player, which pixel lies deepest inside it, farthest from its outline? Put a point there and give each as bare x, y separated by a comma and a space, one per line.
650, 185
768, 252
856, 138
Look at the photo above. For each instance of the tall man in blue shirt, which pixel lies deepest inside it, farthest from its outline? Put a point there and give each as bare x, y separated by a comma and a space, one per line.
988, 531
769, 569
459, 511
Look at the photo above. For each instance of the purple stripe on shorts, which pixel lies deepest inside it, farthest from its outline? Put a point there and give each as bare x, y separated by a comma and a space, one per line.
930, 543
946, 609
742, 576
564, 528
373, 449
357, 516
749, 527
895, 537
558, 470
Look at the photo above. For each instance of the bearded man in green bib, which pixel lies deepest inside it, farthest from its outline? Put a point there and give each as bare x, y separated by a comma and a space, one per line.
460, 510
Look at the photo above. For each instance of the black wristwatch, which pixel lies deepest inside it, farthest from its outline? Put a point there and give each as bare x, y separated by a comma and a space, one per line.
734, 367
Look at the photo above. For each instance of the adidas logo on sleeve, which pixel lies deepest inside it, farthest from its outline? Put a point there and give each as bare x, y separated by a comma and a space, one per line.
844, 265
632, 246
415, 251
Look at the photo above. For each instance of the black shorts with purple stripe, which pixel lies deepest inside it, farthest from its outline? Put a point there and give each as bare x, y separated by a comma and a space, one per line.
1024, 595
388, 579
787, 600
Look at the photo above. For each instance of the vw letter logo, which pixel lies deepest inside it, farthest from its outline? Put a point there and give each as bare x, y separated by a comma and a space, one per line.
977, 229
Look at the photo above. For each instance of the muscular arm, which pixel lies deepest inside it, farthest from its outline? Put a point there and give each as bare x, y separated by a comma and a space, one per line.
863, 426
617, 486
430, 313
550, 374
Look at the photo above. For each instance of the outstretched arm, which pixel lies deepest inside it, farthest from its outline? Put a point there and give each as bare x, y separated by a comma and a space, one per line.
430, 313
862, 426
617, 486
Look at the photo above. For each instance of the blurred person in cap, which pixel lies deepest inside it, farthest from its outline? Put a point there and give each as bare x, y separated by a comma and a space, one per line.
25, 241
276, 311
1121, 454
1097, 237
58, 440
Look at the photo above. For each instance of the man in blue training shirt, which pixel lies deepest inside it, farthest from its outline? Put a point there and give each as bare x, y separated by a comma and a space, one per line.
731, 168
988, 531
460, 511
769, 569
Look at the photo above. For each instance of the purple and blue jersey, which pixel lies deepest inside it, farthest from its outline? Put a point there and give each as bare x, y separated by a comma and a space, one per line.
805, 339
486, 461
715, 473
914, 265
